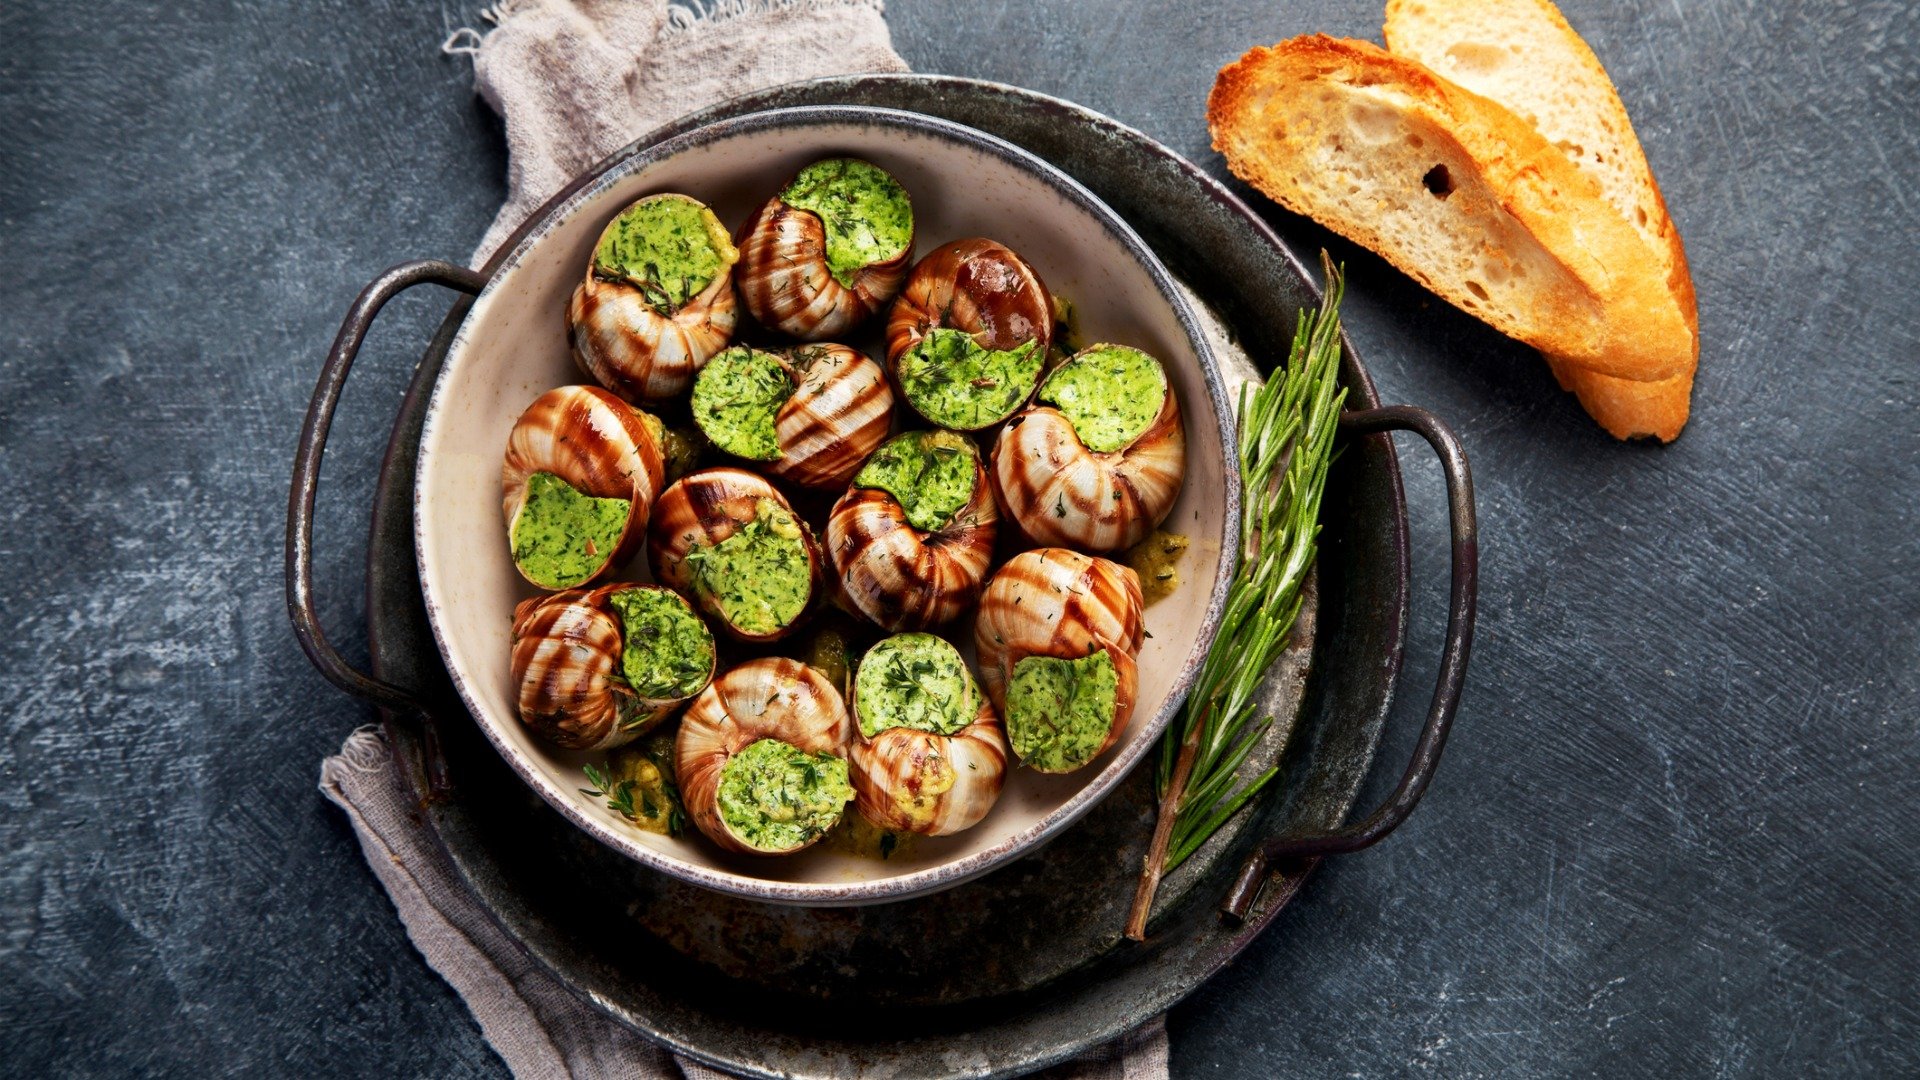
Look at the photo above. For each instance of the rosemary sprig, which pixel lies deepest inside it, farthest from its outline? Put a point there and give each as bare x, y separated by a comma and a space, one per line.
1286, 445
619, 796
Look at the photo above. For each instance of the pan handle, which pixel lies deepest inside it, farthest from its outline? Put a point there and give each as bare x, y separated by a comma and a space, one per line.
1446, 691
306, 479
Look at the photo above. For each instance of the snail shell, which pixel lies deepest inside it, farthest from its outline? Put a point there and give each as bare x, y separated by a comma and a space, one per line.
1058, 603
785, 282
905, 578
839, 410
1063, 493
981, 290
770, 698
566, 648
702, 509
596, 443
642, 350
975, 285
922, 782
929, 755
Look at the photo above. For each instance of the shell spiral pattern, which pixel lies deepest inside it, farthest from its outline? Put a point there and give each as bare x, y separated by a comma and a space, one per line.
921, 782
976, 285
900, 577
841, 409
783, 279
635, 351
769, 698
1063, 494
566, 647
702, 509
1060, 603
593, 441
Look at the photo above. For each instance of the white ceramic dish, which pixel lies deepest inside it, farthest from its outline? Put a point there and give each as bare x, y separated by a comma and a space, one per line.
512, 347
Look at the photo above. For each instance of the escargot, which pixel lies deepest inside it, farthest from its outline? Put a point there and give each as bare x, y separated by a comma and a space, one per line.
828, 251
657, 300
1056, 639
931, 756
726, 538
968, 337
1097, 462
597, 668
809, 417
761, 757
579, 480
910, 541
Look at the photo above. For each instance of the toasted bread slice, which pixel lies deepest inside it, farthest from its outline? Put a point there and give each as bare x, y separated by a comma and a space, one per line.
1523, 55
1454, 190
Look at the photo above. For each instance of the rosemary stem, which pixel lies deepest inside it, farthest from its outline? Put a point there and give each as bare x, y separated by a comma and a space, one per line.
1284, 447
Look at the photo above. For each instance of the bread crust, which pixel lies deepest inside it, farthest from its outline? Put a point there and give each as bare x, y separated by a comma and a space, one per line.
1548, 64
1579, 279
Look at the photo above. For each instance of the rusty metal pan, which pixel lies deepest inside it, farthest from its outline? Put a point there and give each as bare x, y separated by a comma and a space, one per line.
1023, 967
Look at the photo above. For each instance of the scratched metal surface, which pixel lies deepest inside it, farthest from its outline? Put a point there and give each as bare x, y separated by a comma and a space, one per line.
1672, 834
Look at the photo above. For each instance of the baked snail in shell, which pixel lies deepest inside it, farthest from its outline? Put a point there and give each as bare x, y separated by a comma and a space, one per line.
730, 541
809, 417
1056, 638
828, 252
1098, 461
911, 540
657, 300
931, 757
761, 757
969, 335
581, 473
597, 668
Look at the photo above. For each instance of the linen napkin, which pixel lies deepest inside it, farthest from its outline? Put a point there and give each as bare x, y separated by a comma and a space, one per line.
575, 80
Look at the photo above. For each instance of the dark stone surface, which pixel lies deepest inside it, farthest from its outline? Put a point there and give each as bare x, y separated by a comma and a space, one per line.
1671, 834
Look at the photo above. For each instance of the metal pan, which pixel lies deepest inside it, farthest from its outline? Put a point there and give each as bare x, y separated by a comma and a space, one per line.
1026, 966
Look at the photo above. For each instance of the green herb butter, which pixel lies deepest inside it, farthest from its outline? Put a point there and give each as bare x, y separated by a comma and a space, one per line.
669, 651
864, 211
1109, 393
644, 789
758, 579
914, 681
670, 247
949, 379
561, 537
1059, 711
736, 399
776, 797
931, 474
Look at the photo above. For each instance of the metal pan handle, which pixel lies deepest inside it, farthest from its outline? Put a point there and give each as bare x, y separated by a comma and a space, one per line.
306, 475
1446, 691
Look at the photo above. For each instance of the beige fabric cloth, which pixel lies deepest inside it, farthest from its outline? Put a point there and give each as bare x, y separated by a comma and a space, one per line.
576, 80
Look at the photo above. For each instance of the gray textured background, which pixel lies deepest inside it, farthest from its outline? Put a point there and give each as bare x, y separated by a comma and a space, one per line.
1673, 833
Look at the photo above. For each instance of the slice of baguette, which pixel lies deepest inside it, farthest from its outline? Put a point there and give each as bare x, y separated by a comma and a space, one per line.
1523, 55
1454, 190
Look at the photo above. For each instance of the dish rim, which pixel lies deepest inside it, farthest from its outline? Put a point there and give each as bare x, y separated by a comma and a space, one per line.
588, 187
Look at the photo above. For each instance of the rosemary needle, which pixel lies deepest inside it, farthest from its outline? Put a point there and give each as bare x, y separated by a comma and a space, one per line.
1286, 434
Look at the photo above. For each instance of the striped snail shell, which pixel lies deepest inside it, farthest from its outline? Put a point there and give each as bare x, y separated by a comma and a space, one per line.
787, 275
600, 448
730, 541
963, 300
930, 756
568, 651
1063, 492
904, 575
810, 417
1060, 605
640, 335
775, 700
